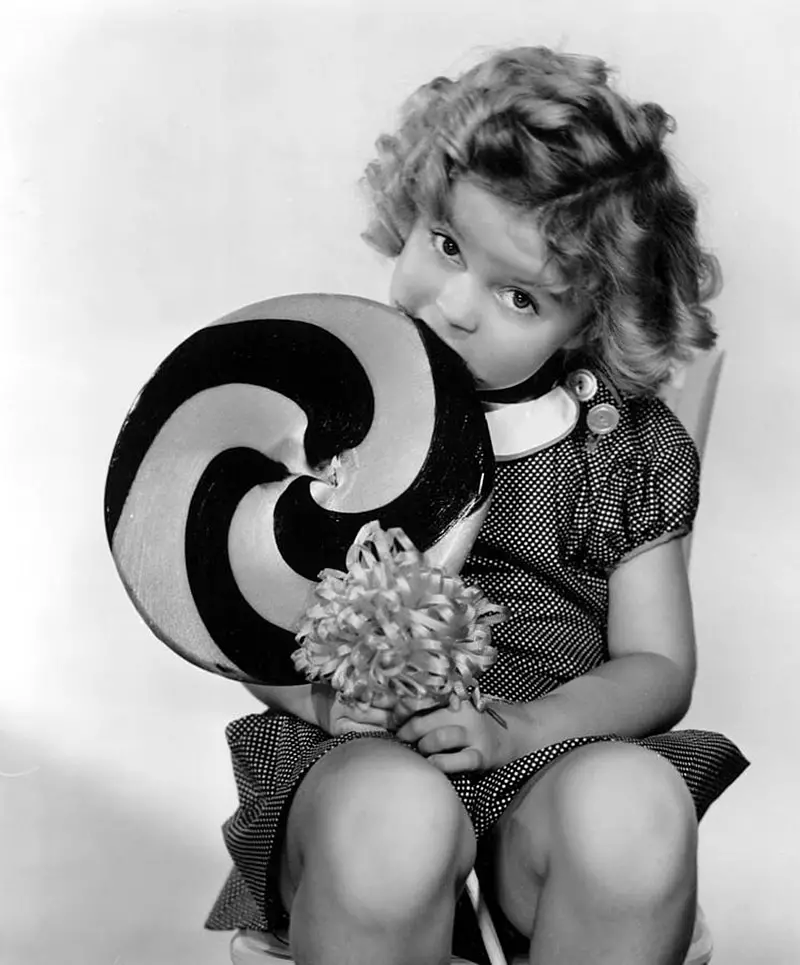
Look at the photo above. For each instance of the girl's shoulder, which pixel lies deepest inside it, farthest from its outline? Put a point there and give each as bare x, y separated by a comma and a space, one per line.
638, 474
656, 427
612, 423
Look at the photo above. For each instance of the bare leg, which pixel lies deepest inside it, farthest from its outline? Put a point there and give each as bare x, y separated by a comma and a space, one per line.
596, 862
378, 846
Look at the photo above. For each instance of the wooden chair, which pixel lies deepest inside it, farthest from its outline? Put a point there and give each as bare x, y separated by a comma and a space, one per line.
692, 392
691, 397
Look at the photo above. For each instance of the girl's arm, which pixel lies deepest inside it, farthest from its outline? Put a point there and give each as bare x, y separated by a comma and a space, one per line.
646, 685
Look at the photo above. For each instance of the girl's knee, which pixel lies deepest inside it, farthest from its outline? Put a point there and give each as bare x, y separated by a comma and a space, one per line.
380, 824
624, 818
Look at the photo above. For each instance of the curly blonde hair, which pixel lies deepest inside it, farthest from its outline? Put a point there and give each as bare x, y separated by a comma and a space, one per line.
545, 132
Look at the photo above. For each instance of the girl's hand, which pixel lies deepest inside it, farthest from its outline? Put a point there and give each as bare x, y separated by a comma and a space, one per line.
457, 740
337, 717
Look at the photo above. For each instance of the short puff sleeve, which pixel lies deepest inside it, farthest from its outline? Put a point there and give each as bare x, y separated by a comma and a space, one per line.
647, 498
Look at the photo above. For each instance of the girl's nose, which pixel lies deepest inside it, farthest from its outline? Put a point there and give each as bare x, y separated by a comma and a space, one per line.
458, 303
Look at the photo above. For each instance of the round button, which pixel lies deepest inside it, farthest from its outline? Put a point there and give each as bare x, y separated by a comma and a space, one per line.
583, 383
602, 419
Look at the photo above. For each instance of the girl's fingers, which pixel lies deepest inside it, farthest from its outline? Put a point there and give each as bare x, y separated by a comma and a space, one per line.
385, 702
353, 717
414, 705
468, 759
408, 707
448, 738
347, 726
370, 716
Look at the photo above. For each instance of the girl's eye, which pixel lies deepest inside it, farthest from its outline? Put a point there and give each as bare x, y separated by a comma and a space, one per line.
520, 301
445, 245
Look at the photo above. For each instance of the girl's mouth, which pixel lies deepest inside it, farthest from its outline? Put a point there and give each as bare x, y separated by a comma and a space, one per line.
480, 385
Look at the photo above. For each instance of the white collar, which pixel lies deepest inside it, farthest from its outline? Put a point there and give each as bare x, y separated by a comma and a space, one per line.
520, 428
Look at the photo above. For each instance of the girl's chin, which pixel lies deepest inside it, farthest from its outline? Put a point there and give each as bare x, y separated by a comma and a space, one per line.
494, 385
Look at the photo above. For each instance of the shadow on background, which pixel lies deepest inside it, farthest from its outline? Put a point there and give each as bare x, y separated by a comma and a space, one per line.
88, 877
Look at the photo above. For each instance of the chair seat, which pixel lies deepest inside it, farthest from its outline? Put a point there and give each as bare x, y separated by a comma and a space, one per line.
259, 948
262, 948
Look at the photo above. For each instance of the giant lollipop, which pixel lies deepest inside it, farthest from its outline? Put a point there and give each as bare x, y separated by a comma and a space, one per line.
257, 451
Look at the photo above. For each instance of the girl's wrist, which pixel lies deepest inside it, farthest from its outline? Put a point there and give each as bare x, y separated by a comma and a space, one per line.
534, 725
321, 699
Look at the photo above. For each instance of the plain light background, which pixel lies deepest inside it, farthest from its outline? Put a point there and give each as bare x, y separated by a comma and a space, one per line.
164, 163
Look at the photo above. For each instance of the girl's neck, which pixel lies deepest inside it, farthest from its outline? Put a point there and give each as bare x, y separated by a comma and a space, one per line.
537, 385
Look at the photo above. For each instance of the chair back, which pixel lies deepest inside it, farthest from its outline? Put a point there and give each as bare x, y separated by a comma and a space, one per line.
691, 397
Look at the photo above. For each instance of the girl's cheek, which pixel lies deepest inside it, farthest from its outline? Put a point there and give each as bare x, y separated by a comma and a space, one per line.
423, 278
406, 284
395, 285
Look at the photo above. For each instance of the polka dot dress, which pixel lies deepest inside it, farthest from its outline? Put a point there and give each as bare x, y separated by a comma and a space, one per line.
562, 518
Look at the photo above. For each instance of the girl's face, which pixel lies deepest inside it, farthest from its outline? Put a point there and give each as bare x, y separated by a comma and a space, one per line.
481, 280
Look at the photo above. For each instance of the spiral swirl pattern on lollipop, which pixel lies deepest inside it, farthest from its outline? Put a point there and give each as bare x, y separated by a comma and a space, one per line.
258, 449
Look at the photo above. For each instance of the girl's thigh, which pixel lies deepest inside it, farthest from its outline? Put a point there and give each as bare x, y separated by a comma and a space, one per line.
604, 815
374, 805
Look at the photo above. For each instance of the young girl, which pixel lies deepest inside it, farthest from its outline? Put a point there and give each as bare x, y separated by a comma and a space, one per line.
540, 230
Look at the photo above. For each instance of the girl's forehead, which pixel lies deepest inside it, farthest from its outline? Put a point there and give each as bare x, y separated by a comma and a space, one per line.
503, 235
